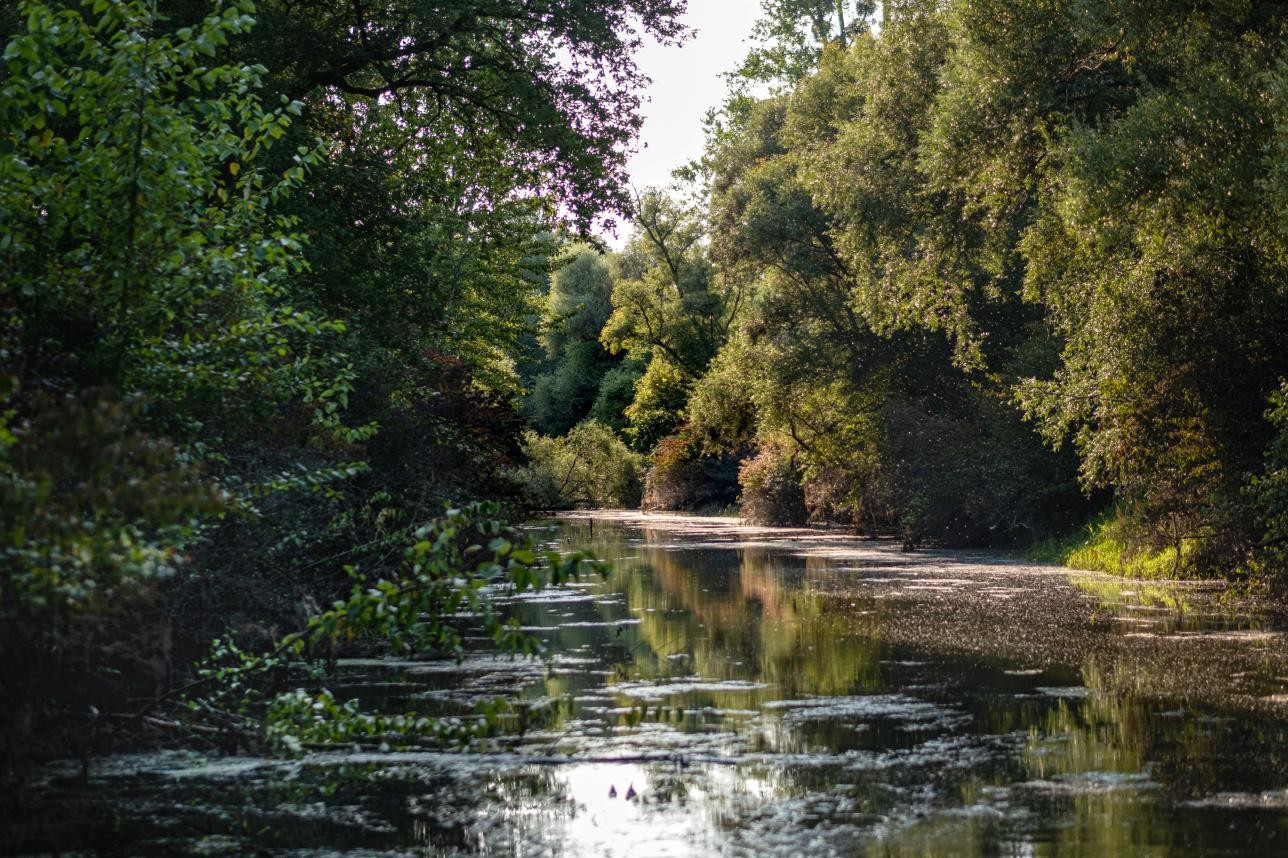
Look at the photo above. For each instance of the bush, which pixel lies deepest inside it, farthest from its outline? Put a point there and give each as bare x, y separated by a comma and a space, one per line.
771, 489
683, 476
1270, 497
588, 467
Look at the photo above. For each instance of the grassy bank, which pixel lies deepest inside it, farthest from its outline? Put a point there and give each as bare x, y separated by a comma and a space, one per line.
1100, 546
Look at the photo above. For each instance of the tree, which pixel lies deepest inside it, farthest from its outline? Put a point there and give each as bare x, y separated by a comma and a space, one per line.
676, 310
147, 337
554, 80
875, 350
577, 364
1157, 264
790, 36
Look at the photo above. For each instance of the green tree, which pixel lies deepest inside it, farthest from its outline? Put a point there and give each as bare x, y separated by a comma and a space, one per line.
671, 310
147, 333
589, 466
1155, 259
790, 35
875, 355
577, 307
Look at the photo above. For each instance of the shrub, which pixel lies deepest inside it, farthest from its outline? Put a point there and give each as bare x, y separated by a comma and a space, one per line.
683, 476
771, 489
588, 467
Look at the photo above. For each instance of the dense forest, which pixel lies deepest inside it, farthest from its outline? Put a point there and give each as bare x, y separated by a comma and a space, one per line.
969, 273
302, 301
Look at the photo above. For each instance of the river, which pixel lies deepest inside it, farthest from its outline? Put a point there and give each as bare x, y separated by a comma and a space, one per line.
731, 690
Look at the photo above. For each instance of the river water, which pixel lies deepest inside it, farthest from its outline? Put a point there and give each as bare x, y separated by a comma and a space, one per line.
745, 691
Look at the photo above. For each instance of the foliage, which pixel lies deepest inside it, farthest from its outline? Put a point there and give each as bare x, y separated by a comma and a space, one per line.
771, 489
590, 466
138, 249
217, 394
989, 207
146, 327
670, 310
553, 82
658, 404
1102, 546
1159, 278
443, 579
1269, 492
682, 475
616, 395
675, 310
789, 37
577, 307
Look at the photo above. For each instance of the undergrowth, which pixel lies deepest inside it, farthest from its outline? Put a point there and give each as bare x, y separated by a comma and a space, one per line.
1101, 546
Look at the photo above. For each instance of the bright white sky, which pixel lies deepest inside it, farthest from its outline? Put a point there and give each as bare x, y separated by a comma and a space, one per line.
687, 82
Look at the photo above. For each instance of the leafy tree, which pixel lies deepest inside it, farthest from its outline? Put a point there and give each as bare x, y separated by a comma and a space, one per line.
590, 466
1073, 197
176, 357
579, 303
790, 35
675, 313
458, 145
674, 310
552, 81
864, 353
147, 333
1157, 264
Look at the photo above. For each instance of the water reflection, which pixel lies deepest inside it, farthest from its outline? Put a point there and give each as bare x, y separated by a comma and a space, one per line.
730, 691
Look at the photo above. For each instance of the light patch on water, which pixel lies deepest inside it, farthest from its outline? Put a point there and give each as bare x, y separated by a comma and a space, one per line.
1271, 800
589, 624
1091, 782
916, 714
1242, 635
552, 596
695, 685
471, 664
562, 659
1072, 692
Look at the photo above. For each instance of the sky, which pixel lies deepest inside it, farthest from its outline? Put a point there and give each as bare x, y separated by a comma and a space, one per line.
686, 83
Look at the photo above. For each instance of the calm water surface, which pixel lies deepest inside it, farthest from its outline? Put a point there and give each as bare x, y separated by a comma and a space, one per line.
776, 692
